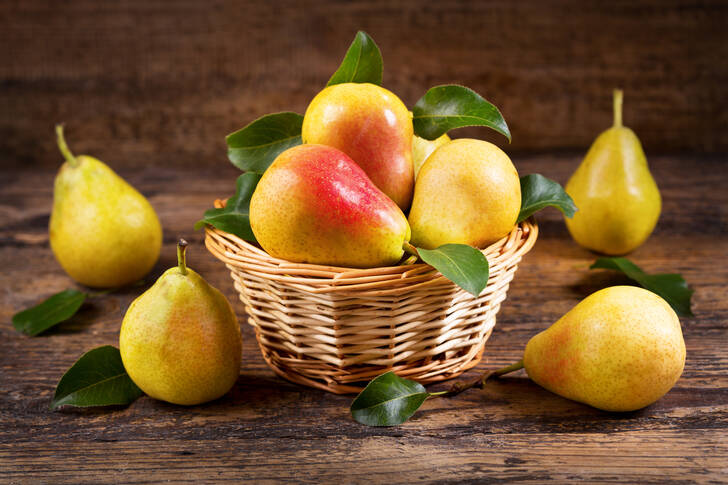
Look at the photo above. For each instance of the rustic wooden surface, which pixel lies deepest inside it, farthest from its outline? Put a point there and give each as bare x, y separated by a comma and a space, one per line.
174, 78
267, 429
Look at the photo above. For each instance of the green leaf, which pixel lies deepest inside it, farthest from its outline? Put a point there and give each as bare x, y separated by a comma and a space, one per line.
443, 108
254, 147
52, 311
462, 264
234, 218
671, 287
538, 192
362, 63
98, 378
388, 400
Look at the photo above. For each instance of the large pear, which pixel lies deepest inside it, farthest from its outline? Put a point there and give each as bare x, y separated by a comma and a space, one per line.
618, 199
620, 349
314, 204
180, 340
467, 192
373, 127
103, 232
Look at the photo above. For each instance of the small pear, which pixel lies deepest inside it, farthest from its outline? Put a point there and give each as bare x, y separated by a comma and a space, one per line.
467, 192
620, 349
618, 199
180, 340
314, 204
373, 127
423, 148
103, 232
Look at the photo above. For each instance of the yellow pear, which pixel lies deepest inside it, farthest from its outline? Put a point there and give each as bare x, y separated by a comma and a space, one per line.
180, 340
620, 349
467, 192
102, 231
423, 148
618, 199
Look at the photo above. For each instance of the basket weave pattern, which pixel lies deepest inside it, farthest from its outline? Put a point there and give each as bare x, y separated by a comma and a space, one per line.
333, 328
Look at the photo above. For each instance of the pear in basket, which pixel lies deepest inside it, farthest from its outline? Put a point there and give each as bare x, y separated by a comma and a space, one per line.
314, 204
467, 192
373, 127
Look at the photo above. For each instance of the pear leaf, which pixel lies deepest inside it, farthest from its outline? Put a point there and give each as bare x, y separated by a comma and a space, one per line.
234, 218
538, 192
671, 287
362, 63
50, 312
388, 400
254, 147
98, 378
462, 264
446, 107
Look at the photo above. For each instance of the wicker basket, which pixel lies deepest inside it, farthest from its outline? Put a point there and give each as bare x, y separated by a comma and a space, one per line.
335, 328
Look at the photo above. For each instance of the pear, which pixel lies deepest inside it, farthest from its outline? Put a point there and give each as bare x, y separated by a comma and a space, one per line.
373, 127
102, 231
423, 148
467, 192
620, 349
180, 340
618, 199
314, 204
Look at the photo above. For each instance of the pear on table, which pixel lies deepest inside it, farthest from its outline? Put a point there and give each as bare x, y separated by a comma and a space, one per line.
618, 200
180, 340
467, 192
373, 127
620, 349
103, 232
314, 204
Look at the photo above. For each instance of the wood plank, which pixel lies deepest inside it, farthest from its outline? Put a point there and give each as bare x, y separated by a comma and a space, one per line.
173, 81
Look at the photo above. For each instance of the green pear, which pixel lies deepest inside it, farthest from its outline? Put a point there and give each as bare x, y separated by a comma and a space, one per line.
620, 349
423, 148
314, 204
467, 192
102, 231
180, 340
618, 199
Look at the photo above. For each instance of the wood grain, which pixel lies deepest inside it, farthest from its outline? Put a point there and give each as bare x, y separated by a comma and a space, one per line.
268, 430
139, 82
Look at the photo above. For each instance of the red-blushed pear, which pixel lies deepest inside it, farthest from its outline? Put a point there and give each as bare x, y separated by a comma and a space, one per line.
314, 204
373, 127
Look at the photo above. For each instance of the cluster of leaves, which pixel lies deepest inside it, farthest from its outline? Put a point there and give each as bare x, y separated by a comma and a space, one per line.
254, 147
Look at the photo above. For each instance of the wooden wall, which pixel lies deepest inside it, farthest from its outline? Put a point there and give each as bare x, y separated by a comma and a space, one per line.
150, 82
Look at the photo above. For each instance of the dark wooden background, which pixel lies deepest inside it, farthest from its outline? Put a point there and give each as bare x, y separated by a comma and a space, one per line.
147, 82
152, 87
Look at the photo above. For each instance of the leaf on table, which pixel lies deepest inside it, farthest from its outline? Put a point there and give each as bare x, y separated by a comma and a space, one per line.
361, 64
446, 107
254, 147
98, 378
538, 192
462, 264
671, 287
234, 218
388, 400
50, 312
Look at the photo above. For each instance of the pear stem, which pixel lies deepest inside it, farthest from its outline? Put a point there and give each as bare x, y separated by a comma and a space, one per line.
63, 147
617, 105
410, 249
459, 387
181, 260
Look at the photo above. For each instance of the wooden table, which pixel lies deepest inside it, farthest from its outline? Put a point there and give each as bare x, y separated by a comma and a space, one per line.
267, 429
